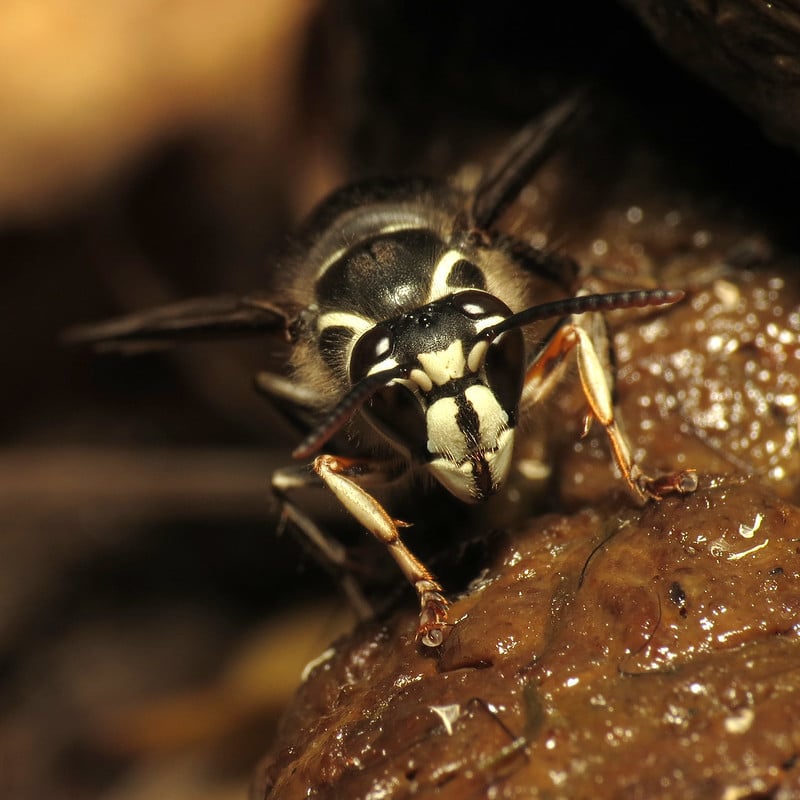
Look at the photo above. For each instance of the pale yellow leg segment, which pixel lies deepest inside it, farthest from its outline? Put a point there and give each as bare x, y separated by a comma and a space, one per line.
548, 369
598, 395
371, 514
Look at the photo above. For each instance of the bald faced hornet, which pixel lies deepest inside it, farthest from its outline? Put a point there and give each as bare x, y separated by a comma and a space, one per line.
405, 314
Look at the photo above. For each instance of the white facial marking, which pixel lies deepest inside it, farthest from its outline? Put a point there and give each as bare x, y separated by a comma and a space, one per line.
342, 319
444, 437
477, 355
500, 460
441, 272
445, 365
492, 416
454, 468
381, 366
457, 479
421, 379
487, 322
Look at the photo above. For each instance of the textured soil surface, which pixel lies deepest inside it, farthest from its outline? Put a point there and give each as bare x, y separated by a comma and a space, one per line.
618, 653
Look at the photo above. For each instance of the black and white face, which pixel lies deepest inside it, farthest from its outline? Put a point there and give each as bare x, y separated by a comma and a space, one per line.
455, 408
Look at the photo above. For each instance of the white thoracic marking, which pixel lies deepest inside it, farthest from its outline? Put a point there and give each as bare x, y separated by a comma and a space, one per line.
344, 319
444, 365
411, 223
491, 416
441, 272
331, 260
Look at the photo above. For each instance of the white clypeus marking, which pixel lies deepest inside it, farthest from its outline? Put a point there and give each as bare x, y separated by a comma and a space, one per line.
454, 467
500, 460
444, 366
447, 439
456, 478
491, 415
444, 436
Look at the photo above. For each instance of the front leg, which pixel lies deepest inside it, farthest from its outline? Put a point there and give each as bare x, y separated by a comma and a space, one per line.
548, 368
340, 475
328, 551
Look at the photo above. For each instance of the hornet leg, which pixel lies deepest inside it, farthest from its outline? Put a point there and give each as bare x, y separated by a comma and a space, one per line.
344, 476
548, 368
340, 475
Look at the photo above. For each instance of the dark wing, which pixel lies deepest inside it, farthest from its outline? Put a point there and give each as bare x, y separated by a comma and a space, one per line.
522, 157
200, 318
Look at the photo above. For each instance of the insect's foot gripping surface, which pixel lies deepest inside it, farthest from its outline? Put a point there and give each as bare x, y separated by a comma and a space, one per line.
682, 482
433, 614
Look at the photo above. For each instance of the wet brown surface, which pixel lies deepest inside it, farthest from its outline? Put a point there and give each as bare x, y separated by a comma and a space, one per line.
618, 654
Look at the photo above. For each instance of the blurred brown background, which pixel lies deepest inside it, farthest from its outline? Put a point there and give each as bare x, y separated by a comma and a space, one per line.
151, 624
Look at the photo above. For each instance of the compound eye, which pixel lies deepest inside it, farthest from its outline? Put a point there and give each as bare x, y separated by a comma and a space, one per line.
372, 347
479, 305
